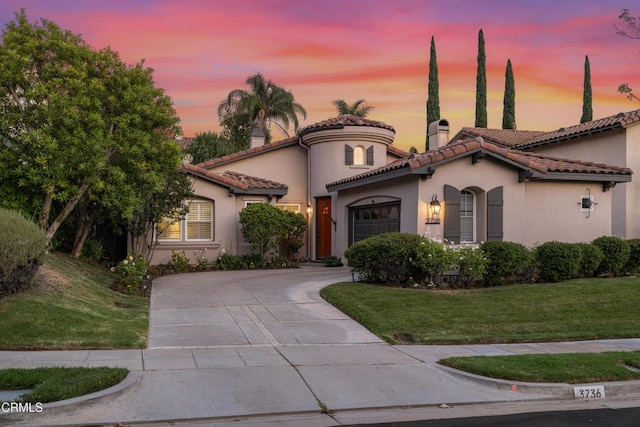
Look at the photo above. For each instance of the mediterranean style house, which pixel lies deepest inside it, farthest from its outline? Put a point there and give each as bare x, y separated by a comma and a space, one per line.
349, 181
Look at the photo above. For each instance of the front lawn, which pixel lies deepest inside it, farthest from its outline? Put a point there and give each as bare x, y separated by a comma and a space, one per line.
580, 309
70, 306
54, 384
574, 368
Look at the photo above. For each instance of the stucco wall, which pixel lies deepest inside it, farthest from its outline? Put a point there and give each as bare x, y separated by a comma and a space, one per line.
553, 213
609, 148
632, 189
287, 165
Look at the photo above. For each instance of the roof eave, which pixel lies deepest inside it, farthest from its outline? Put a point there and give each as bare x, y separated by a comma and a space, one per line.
373, 179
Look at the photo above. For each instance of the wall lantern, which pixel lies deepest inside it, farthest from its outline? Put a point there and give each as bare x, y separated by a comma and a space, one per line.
587, 203
309, 209
434, 210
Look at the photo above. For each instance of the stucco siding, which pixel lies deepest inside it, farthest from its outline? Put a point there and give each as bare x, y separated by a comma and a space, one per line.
553, 213
632, 189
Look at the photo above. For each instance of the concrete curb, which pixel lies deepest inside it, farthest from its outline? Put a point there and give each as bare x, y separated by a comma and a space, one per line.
563, 390
131, 380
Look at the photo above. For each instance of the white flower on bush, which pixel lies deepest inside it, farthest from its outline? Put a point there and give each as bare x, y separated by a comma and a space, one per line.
125, 261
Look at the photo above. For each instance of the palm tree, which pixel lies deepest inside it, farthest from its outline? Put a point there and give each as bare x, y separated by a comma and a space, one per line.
265, 103
355, 109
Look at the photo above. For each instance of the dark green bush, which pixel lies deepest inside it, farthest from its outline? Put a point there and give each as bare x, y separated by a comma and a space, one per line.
616, 254
386, 258
558, 261
22, 247
332, 261
633, 264
505, 261
591, 258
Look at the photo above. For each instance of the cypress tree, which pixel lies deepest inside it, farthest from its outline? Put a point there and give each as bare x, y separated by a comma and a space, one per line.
509, 102
587, 110
433, 100
481, 84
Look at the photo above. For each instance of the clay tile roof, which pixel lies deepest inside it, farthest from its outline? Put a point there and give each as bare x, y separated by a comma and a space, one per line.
184, 142
396, 151
600, 125
538, 162
506, 137
234, 179
252, 182
250, 152
556, 164
345, 120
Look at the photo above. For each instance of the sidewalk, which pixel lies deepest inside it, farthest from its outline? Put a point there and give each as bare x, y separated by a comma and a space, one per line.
251, 344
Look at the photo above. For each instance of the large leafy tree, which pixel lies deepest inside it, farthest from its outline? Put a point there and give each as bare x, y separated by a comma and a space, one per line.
587, 95
207, 146
433, 99
358, 108
265, 103
481, 84
509, 101
79, 126
630, 30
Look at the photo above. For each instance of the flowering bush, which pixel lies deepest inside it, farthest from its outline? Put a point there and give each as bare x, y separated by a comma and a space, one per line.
472, 265
432, 259
132, 272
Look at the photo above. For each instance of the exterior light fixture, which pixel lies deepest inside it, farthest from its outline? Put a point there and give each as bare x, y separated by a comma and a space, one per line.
434, 210
587, 203
309, 209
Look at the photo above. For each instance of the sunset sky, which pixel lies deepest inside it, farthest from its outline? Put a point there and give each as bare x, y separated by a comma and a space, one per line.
372, 49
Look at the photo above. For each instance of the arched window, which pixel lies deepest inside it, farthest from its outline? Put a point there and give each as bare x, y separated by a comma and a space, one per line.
467, 216
358, 155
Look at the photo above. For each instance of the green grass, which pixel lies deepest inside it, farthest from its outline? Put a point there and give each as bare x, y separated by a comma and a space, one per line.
574, 368
54, 384
70, 306
581, 309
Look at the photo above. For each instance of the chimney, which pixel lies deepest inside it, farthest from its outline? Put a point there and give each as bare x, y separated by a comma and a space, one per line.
257, 136
438, 133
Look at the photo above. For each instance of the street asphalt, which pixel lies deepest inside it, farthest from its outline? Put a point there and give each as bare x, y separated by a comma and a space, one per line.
263, 348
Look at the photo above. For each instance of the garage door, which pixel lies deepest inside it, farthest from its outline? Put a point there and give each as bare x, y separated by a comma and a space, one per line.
373, 220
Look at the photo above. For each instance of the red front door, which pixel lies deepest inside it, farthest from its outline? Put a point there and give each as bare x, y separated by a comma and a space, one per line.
323, 227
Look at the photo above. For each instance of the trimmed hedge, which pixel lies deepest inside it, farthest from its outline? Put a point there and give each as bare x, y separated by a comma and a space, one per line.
22, 247
505, 261
385, 258
558, 261
616, 254
633, 264
592, 256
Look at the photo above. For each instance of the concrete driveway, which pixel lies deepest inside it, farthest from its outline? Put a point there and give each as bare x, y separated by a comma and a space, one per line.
254, 343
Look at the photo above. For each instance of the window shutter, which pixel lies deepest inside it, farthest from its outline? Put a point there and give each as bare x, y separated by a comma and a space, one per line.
495, 203
452, 214
370, 156
348, 155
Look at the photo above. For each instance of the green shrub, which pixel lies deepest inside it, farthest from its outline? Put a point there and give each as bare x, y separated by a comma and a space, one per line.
591, 258
472, 265
616, 254
22, 246
558, 261
386, 258
432, 259
261, 226
227, 261
179, 262
332, 261
133, 273
633, 264
505, 260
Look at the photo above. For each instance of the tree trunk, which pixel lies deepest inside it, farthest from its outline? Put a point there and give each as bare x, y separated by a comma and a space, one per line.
71, 204
84, 227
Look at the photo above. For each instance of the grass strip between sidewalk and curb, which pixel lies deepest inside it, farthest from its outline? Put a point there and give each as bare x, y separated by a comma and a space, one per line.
55, 384
572, 368
70, 306
580, 309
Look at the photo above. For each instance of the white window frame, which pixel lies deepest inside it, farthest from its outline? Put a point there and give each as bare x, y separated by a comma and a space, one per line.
473, 215
252, 202
183, 225
198, 221
359, 156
